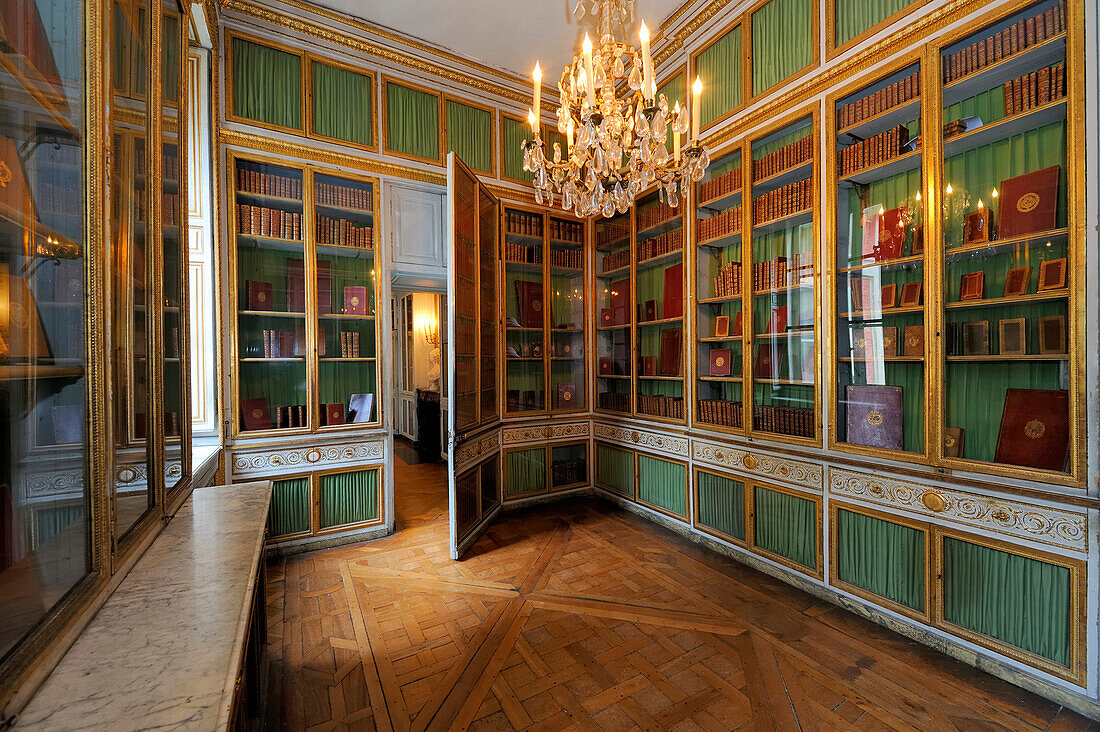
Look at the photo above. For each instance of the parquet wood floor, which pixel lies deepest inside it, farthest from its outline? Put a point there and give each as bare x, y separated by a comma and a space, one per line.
582, 616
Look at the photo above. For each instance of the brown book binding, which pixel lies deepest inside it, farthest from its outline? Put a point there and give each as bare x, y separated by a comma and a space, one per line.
875, 416
1028, 203
1034, 430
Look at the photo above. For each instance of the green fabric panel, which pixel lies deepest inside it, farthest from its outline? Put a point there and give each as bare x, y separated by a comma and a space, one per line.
855, 16
513, 135
881, 557
989, 105
663, 483
121, 48
785, 525
526, 472
721, 504
55, 519
342, 104
170, 59
771, 144
412, 121
470, 135
673, 89
267, 84
782, 35
289, 511
349, 498
1020, 601
615, 469
719, 69
724, 165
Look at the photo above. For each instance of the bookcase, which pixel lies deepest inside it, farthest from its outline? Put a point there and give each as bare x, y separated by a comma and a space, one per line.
612, 300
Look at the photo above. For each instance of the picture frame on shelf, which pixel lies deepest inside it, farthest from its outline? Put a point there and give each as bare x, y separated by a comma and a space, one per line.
722, 326
1052, 275
972, 286
1052, 335
1012, 336
889, 296
1016, 281
911, 293
917, 248
976, 338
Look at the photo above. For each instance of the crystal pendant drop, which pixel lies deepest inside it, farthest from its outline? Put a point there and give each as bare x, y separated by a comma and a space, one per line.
660, 156
618, 68
579, 10
635, 78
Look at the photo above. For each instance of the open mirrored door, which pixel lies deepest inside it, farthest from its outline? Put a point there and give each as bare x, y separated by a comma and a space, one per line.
473, 416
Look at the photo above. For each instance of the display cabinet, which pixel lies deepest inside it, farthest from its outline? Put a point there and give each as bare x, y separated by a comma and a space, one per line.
532, 471
613, 297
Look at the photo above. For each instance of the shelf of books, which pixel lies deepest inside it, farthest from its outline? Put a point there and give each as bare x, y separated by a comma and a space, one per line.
466, 326
565, 344
783, 331
613, 308
878, 292
524, 312
719, 386
488, 212
659, 308
1008, 296
173, 322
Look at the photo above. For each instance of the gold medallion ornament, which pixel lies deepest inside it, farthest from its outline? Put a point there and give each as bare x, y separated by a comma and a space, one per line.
884, 236
567, 396
949, 441
1027, 202
5, 174
933, 501
874, 418
537, 305
355, 302
1034, 429
261, 296
719, 361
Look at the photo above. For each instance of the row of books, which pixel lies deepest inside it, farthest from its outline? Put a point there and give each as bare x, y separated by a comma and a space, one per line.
523, 224
785, 201
568, 471
659, 405
655, 214
570, 231
722, 185
344, 233
349, 344
570, 258
788, 156
291, 416
615, 260
330, 194
1035, 89
727, 283
720, 412
519, 253
796, 421
874, 150
171, 168
268, 184
670, 241
782, 271
894, 95
273, 222
613, 401
607, 234
1018, 37
279, 344
725, 223
170, 209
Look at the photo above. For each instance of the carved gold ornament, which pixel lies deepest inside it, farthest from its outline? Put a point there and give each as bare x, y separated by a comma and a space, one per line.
257, 413
719, 361
874, 418
949, 441
884, 235
749, 462
934, 501
1027, 202
1034, 429
354, 301
567, 396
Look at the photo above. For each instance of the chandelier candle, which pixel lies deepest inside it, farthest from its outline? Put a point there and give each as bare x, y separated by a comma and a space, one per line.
649, 89
696, 93
538, 94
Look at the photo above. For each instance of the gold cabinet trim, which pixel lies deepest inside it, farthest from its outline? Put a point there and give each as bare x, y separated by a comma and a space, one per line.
537, 433
474, 450
805, 475
264, 462
640, 438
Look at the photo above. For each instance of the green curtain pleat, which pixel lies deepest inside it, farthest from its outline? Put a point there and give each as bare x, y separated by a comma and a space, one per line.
526, 472
855, 16
267, 84
470, 135
120, 48
785, 525
52, 521
782, 34
342, 104
348, 498
170, 59
673, 89
514, 133
772, 143
412, 121
1020, 601
663, 483
719, 70
721, 504
615, 469
881, 557
289, 511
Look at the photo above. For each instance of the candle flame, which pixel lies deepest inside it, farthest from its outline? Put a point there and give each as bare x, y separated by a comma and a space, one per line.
538, 73
587, 45
643, 33
697, 87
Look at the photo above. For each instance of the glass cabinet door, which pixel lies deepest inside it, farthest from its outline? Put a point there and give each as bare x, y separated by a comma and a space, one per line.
466, 332
345, 280
1008, 299
524, 312
879, 295
488, 212
719, 278
659, 308
613, 314
783, 364
271, 338
566, 341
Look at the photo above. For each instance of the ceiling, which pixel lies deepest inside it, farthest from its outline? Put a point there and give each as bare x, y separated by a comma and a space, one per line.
506, 34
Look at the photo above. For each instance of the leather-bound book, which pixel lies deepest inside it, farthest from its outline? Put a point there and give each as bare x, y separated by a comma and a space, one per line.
874, 416
620, 301
324, 287
890, 342
284, 344
777, 323
720, 362
355, 300
334, 413
737, 325
769, 358
952, 441
914, 340
1029, 203
650, 310
283, 417
1034, 429
605, 366
649, 365
673, 304
567, 396
259, 295
670, 353
529, 297
891, 237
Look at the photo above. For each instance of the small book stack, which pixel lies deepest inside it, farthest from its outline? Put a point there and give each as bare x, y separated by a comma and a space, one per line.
349, 344
727, 283
613, 402
782, 271
615, 260
361, 199
343, 233
884, 99
278, 344
654, 215
720, 412
268, 184
796, 421
514, 252
523, 224
659, 405
874, 150
723, 224
722, 185
788, 156
608, 234
264, 221
782, 202
1017, 37
568, 231
1035, 89
291, 416
670, 241
568, 258
170, 209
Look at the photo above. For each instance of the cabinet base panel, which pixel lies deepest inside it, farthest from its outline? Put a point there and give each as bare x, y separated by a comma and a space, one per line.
328, 541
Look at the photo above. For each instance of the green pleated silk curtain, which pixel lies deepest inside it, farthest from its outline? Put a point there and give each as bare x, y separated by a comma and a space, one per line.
673, 89
782, 38
267, 84
348, 498
53, 520
1017, 600
470, 135
343, 104
853, 17
526, 472
121, 48
885, 558
615, 469
289, 511
412, 121
785, 525
771, 144
663, 483
719, 70
170, 59
513, 133
721, 504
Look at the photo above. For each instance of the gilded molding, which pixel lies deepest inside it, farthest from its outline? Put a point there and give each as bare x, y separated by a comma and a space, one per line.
806, 475
641, 438
538, 433
260, 463
681, 36
1055, 526
474, 450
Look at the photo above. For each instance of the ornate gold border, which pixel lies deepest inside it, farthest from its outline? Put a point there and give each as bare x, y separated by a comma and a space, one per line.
231, 37
815, 46
746, 79
500, 174
386, 150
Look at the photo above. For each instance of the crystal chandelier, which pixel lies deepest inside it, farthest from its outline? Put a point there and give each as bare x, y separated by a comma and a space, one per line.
616, 129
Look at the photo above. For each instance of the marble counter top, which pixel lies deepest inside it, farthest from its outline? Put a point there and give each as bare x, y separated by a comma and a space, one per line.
164, 650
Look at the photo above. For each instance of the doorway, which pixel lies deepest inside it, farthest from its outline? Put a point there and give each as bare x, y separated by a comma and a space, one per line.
419, 376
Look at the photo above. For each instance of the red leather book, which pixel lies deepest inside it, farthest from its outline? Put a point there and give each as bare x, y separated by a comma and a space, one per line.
668, 362
777, 323
1029, 203
605, 366
355, 300
1034, 429
673, 306
259, 295
620, 301
769, 360
875, 416
891, 236
529, 297
255, 414
567, 396
720, 362
324, 287
334, 413
737, 328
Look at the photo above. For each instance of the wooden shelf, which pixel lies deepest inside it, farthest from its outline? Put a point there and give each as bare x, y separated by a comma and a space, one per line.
661, 227
1013, 357
786, 288
661, 321
786, 222
723, 202
287, 359
269, 198
1006, 301
805, 331
901, 164
348, 358
1000, 246
614, 376
783, 177
885, 312
883, 121
341, 250
343, 316
783, 382
719, 339
1047, 53
1005, 127
660, 378
721, 242
660, 260
614, 272
889, 265
722, 379
888, 359
271, 314
345, 209
718, 300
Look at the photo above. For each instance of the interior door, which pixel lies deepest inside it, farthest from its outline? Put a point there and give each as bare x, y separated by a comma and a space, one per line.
473, 417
